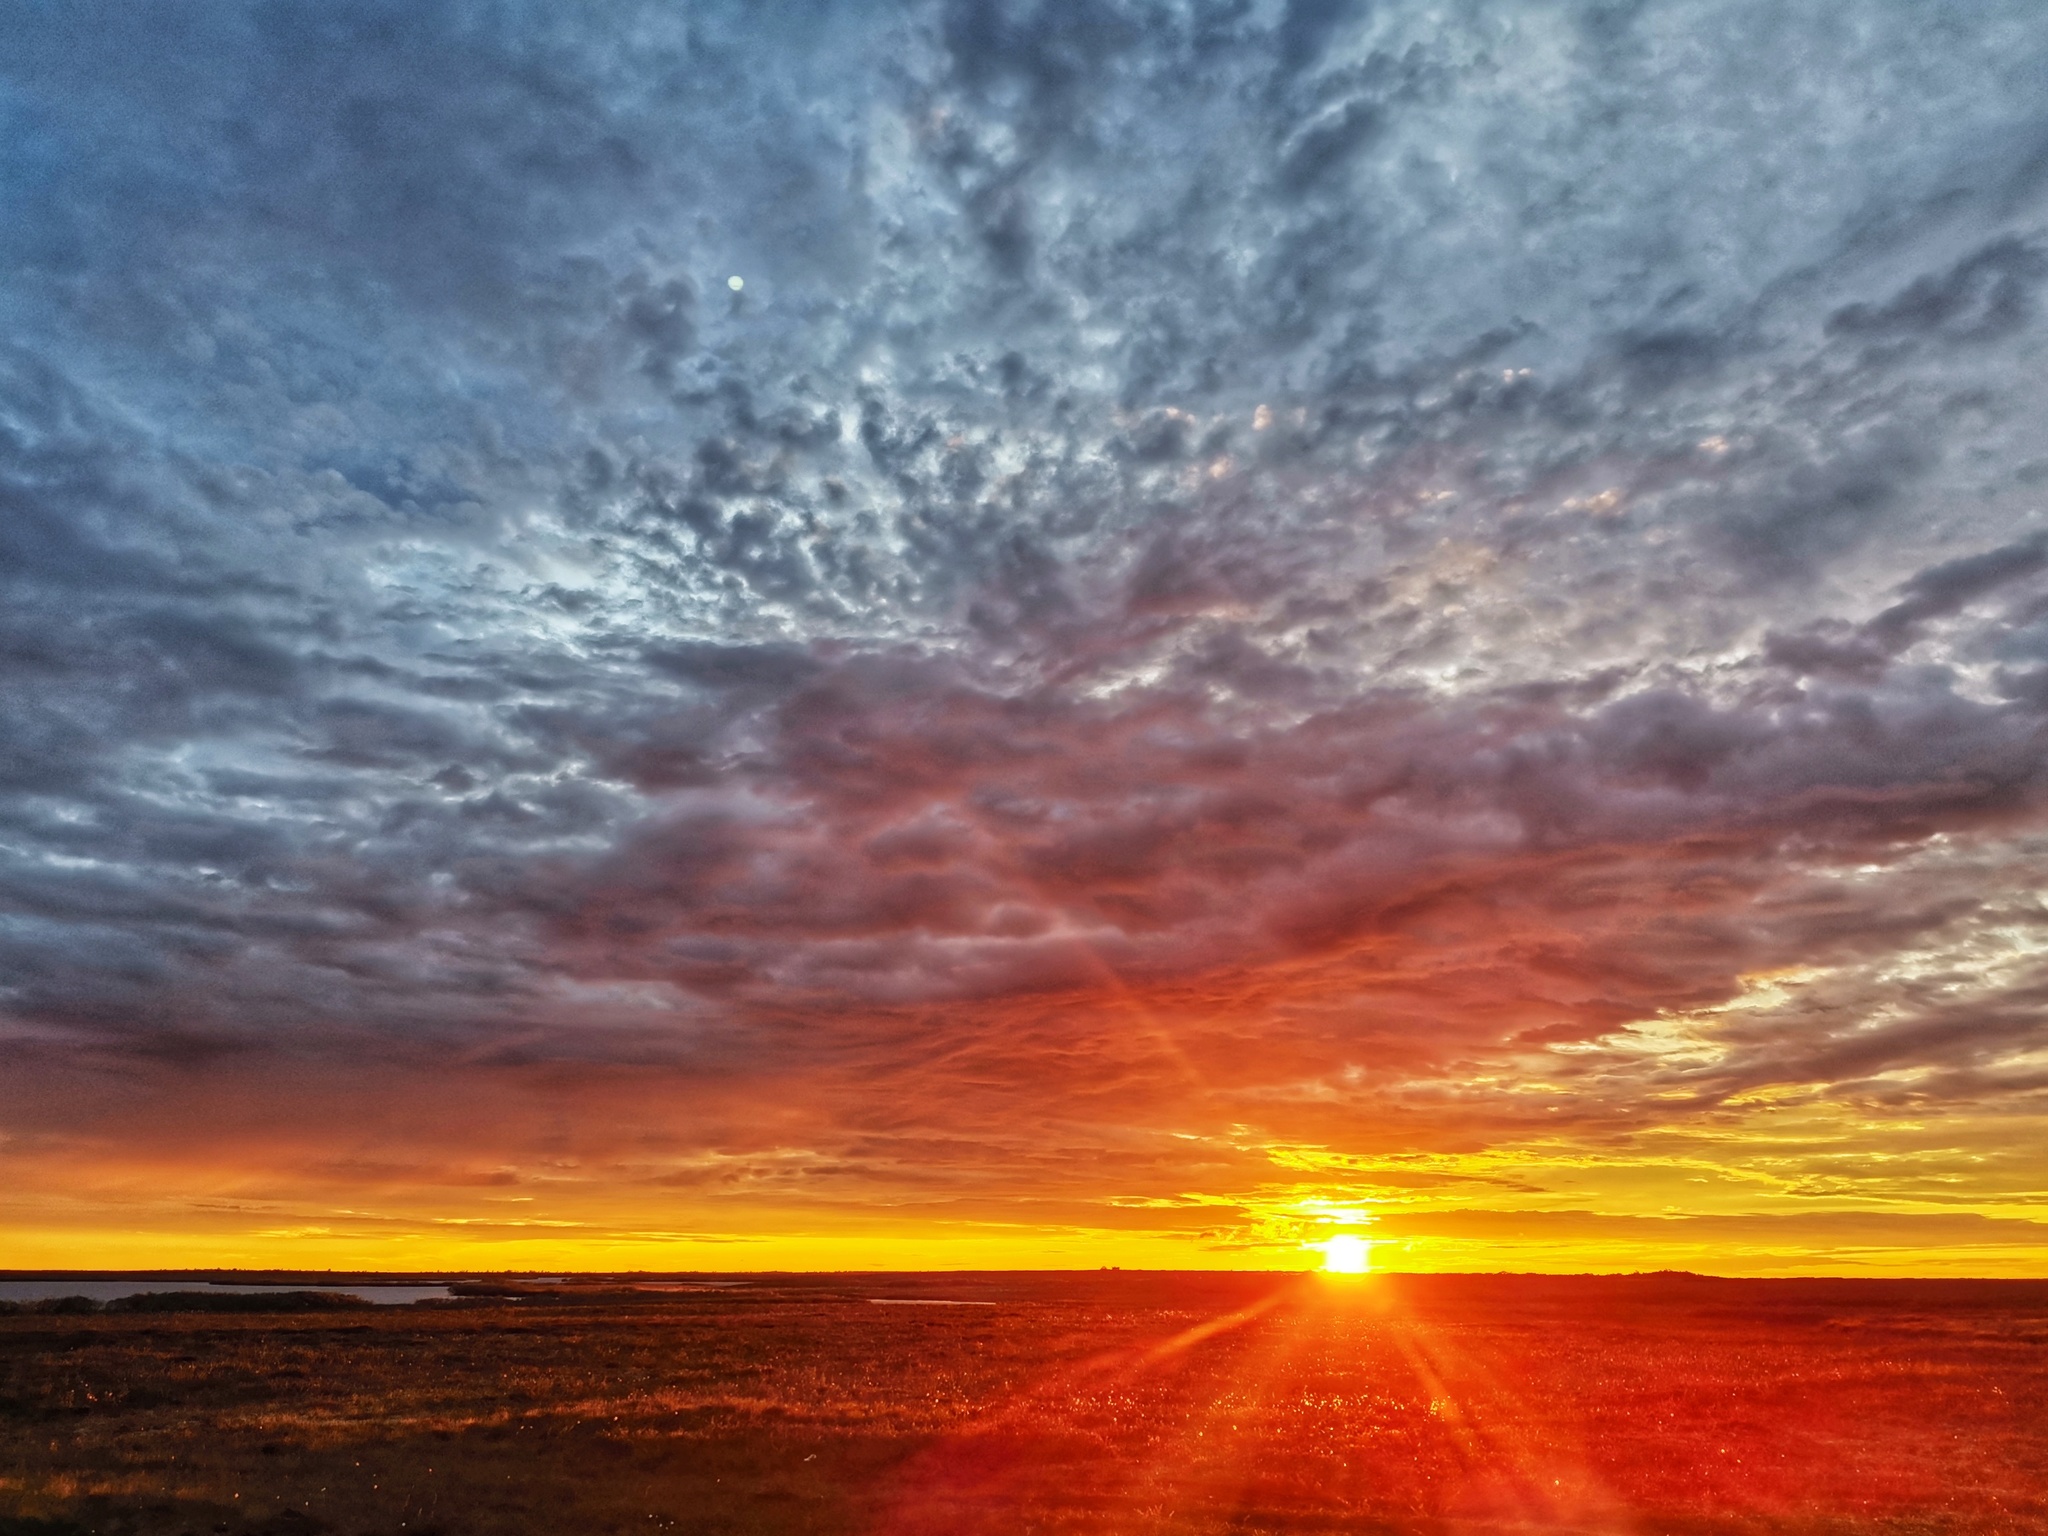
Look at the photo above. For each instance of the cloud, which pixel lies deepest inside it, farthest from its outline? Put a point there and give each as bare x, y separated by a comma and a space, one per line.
1306, 565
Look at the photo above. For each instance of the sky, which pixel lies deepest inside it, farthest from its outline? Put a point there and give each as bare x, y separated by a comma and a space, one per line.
715, 636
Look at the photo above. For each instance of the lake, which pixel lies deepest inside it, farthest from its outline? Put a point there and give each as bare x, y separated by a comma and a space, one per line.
117, 1290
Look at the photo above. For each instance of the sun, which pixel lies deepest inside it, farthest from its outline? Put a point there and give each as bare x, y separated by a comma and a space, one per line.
1347, 1255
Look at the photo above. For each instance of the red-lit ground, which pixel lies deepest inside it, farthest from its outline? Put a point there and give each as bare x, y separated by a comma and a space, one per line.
1112, 1403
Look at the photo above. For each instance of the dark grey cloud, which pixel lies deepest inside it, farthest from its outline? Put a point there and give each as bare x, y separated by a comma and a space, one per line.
1489, 515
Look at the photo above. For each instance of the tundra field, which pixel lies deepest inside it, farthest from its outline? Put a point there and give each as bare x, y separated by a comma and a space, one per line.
1098, 1403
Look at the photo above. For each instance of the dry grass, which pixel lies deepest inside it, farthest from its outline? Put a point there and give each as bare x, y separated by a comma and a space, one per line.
1074, 1404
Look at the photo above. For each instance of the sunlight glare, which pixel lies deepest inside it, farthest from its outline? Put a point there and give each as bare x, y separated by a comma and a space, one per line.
1347, 1255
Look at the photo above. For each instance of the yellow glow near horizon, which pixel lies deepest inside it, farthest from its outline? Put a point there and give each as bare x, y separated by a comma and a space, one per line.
1783, 1187
1347, 1255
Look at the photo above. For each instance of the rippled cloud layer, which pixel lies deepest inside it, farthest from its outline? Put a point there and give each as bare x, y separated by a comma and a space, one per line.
1094, 628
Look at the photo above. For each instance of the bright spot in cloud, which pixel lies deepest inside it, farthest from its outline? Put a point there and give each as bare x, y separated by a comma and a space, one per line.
735, 282
1347, 1255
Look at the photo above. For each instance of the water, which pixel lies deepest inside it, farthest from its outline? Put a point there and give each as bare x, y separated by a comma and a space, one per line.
116, 1290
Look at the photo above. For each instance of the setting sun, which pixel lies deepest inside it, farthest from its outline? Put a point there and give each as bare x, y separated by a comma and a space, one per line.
1347, 1255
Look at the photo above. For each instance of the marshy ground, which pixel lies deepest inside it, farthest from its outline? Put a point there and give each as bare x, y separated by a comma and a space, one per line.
1659, 1406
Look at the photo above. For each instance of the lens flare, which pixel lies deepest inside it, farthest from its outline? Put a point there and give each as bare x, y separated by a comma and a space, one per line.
1347, 1255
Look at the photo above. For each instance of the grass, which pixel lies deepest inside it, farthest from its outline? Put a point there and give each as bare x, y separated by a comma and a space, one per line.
1659, 1406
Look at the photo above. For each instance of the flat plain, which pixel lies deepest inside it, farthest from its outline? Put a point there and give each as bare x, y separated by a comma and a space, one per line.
1058, 1403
